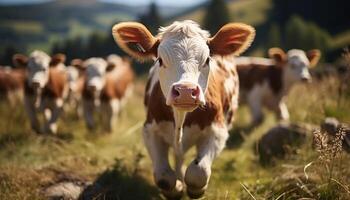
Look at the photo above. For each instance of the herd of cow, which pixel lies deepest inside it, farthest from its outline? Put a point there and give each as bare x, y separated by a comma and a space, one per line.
191, 96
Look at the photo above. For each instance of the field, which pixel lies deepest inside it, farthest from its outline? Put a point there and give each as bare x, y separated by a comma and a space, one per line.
118, 164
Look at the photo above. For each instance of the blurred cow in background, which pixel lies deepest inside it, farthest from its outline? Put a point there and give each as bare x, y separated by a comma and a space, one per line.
76, 79
266, 82
45, 88
107, 84
12, 83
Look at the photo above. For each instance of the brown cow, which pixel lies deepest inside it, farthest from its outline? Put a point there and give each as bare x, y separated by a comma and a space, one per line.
191, 96
12, 83
45, 88
266, 82
107, 84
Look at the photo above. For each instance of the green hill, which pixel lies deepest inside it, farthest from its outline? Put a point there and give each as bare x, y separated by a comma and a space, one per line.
32, 26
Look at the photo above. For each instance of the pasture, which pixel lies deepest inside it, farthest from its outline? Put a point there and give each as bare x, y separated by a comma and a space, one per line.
118, 165
66, 47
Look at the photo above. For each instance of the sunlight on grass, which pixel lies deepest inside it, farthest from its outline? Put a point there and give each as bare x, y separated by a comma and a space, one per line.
29, 161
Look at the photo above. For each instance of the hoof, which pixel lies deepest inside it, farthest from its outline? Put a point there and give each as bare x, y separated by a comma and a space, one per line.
195, 194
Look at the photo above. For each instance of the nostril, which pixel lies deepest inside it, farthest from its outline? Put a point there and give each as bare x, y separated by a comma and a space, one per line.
175, 92
195, 92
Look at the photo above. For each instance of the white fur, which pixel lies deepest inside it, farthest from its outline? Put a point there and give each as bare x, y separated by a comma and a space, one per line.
210, 141
38, 68
183, 51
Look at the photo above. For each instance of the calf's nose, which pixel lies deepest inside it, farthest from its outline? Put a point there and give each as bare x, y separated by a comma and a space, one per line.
35, 85
185, 93
306, 79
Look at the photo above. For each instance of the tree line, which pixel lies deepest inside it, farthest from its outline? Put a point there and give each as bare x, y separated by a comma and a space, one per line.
291, 24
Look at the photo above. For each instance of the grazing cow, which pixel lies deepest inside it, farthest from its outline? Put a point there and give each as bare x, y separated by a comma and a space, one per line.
266, 82
12, 84
107, 84
45, 88
191, 96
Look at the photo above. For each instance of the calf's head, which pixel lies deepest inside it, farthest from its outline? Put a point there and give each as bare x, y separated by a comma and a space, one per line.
296, 62
96, 70
182, 52
38, 64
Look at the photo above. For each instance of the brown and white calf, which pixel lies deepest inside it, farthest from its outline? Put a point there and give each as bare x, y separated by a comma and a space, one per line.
107, 84
191, 96
12, 84
266, 82
45, 88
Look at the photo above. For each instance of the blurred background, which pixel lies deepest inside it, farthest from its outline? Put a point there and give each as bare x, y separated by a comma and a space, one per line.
82, 28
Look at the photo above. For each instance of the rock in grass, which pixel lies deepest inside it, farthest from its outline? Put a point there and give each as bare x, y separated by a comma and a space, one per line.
279, 141
63, 190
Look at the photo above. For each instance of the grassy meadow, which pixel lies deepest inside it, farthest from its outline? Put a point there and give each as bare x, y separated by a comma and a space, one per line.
119, 163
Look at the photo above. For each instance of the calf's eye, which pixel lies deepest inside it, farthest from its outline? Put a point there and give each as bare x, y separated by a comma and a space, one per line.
160, 61
207, 62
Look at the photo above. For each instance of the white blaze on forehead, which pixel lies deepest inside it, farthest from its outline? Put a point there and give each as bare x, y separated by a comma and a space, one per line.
95, 70
184, 51
38, 60
113, 58
298, 64
298, 56
38, 66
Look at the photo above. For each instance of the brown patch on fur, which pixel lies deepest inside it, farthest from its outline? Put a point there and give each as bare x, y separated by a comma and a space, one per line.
11, 80
56, 84
117, 85
57, 59
218, 103
20, 61
253, 74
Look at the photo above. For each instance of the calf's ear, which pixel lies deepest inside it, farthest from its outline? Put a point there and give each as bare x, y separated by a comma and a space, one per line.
231, 39
314, 56
136, 40
20, 60
278, 55
57, 59
110, 66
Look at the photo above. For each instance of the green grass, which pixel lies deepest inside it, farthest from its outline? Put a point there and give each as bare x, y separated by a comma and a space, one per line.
120, 164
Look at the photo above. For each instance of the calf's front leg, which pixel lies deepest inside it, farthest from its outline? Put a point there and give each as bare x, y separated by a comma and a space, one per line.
208, 148
52, 114
164, 177
88, 111
281, 111
29, 104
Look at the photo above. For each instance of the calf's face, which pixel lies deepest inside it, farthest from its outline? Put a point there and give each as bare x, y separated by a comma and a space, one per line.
38, 65
96, 69
296, 62
182, 52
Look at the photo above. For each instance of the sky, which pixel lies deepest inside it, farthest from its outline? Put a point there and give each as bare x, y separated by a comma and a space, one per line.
129, 2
